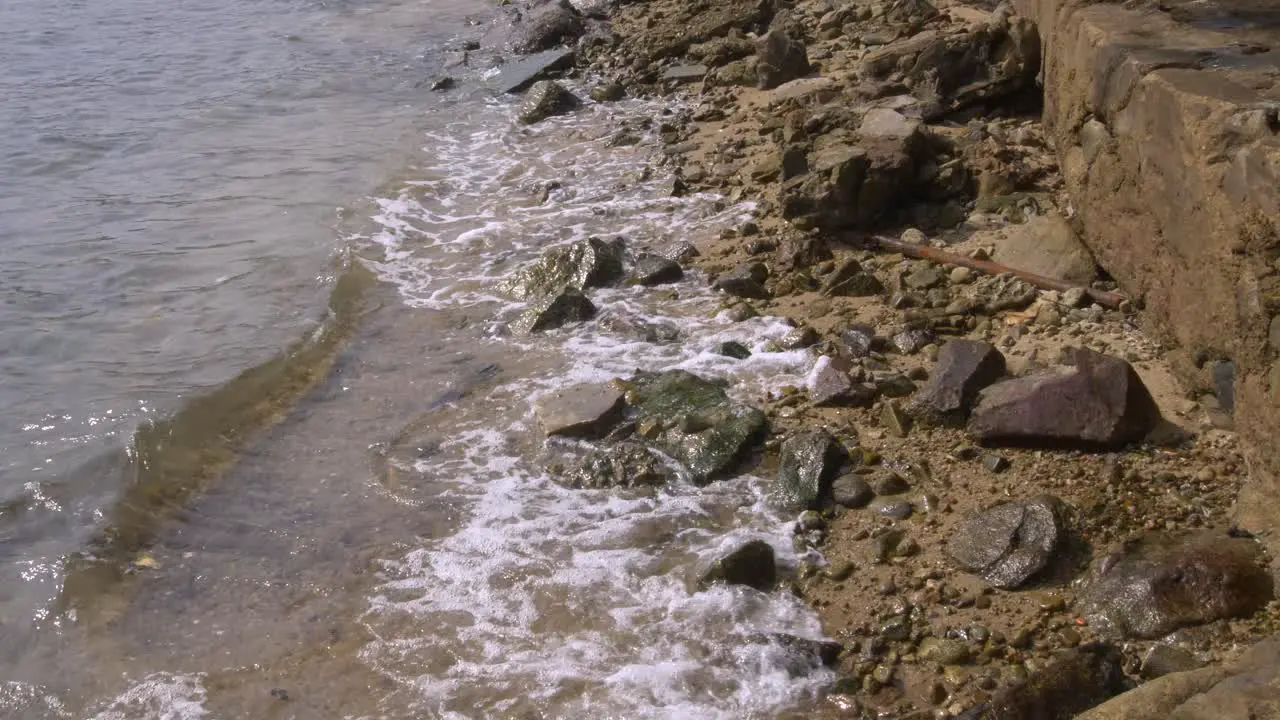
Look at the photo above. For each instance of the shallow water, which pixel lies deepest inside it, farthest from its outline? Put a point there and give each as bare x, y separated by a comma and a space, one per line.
364, 526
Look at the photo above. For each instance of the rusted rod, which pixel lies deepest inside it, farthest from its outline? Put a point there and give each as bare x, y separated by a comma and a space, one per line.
1106, 299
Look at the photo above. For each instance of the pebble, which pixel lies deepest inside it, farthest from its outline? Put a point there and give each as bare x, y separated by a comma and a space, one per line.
961, 275
914, 237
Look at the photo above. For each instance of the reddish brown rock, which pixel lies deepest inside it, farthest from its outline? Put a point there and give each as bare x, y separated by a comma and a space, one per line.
964, 368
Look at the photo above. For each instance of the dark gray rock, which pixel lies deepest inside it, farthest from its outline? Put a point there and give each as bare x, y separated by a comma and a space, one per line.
1160, 582
625, 464
556, 24
745, 281
553, 311
1101, 402
911, 340
1074, 682
851, 491
587, 410
805, 655
545, 99
798, 338
809, 461
733, 349
830, 385
695, 422
519, 75
1224, 385
752, 565
858, 340
851, 280
1163, 660
894, 385
780, 58
629, 326
888, 482
1008, 544
964, 368
584, 264
649, 269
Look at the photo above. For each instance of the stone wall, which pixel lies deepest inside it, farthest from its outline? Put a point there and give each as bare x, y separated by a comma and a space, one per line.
1165, 122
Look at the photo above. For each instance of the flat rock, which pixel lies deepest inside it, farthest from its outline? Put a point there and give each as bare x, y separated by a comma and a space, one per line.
803, 655
830, 385
883, 123
685, 73
810, 460
964, 368
752, 564
1100, 402
587, 410
1009, 544
851, 280
650, 269
1072, 683
518, 75
1160, 582
580, 265
553, 311
545, 99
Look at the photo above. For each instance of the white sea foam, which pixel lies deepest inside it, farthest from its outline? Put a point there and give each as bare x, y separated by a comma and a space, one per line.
566, 602
161, 696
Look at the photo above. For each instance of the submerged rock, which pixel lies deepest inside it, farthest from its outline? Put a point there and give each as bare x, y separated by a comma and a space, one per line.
587, 410
545, 99
631, 327
552, 311
964, 368
1159, 583
694, 421
733, 349
1101, 402
1008, 544
622, 465
810, 461
1074, 682
580, 265
803, 655
752, 565
519, 75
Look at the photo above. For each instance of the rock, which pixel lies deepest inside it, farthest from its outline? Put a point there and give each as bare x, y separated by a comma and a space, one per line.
1162, 660
1100, 403
850, 280
798, 338
892, 508
745, 281
888, 482
518, 75
911, 340
685, 73
556, 24
886, 124
1045, 245
587, 410
723, 431
805, 655
1159, 583
444, 83
720, 51
580, 265
649, 269
553, 311
924, 278
780, 58
545, 99
1224, 385
964, 368
858, 340
682, 27
733, 349
809, 463
594, 8
622, 465
608, 92
995, 463
752, 565
1074, 682
895, 420
629, 326
851, 491
894, 385
943, 651
797, 252
1010, 543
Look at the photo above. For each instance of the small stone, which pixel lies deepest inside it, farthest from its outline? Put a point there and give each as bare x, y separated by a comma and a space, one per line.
798, 338
733, 349
752, 565
809, 462
858, 340
1163, 660
608, 92
960, 275
889, 483
1073, 297
840, 571
926, 277
995, 463
943, 651
1008, 544
895, 420
891, 508
545, 99
1069, 637
913, 236
830, 384
909, 342
851, 491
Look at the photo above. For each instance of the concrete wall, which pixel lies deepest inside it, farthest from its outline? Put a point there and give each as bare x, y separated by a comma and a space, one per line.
1165, 122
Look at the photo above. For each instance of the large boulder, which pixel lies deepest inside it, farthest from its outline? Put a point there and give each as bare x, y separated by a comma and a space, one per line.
780, 58
555, 24
580, 265
588, 410
1074, 682
1007, 545
751, 564
545, 99
810, 461
694, 421
964, 368
1159, 583
1099, 402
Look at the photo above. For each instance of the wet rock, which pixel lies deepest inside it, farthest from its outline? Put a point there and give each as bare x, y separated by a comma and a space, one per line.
752, 565
1159, 583
558, 23
587, 410
798, 338
851, 280
780, 57
943, 651
851, 491
911, 340
895, 420
629, 326
625, 464
1008, 544
700, 426
745, 281
518, 75
858, 340
809, 463
649, 269
1074, 682
545, 99
444, 83
1101, 402
1162, 660
580, 265
964, 368
608, 92
733, 349
553, 311
805, 655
